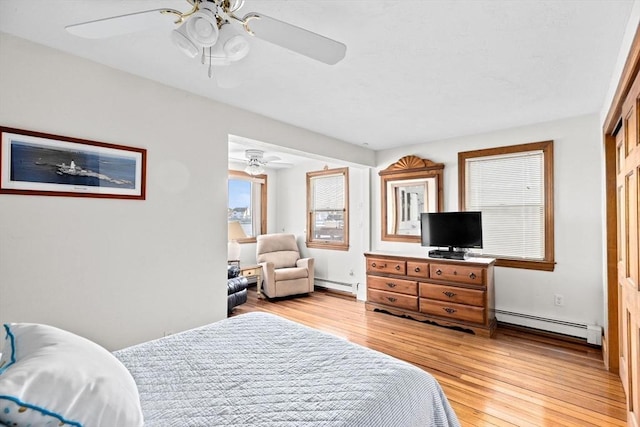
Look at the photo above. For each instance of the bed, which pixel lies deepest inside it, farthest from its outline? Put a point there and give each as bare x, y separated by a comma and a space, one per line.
260, 369
255, 369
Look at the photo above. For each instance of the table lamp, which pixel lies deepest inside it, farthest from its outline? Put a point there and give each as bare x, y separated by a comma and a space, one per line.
234, 234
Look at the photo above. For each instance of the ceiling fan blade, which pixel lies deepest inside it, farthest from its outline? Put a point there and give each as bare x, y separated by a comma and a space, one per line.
294, 38
118, 25
236, 159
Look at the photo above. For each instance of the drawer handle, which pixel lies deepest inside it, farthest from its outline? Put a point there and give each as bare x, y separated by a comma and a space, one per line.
391, 285
417, 269
392, 299
449, 294
438, 272
450, 310
374, 265
472, 276
397, 267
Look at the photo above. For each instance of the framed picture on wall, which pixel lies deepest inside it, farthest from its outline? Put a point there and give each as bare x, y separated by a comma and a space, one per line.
35, 163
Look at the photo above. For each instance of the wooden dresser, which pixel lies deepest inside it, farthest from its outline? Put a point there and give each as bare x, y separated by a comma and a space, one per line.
449, 293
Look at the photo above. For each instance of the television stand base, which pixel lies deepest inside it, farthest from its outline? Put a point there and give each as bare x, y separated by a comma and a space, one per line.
436, 253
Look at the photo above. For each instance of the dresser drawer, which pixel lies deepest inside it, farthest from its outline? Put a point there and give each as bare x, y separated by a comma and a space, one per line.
457, 273
452, 310
452, 294
393, 299
392, 285
382, 265
417, 269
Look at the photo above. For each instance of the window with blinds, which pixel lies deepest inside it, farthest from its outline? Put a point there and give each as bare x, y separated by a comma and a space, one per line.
328, 209
512, 187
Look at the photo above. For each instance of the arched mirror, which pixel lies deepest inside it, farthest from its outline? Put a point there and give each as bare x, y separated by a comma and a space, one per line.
409, 187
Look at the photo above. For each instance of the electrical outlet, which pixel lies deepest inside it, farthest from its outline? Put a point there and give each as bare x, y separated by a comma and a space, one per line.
558, 300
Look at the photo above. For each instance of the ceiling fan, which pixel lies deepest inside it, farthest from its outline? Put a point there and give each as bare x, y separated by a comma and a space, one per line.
256, 161
212, 30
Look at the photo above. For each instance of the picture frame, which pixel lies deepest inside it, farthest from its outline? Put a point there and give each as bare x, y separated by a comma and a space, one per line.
36, 163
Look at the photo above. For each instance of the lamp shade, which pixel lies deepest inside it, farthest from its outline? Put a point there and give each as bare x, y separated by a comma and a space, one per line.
235, 232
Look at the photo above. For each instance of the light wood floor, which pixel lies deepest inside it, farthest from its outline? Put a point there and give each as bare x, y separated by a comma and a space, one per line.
516, 379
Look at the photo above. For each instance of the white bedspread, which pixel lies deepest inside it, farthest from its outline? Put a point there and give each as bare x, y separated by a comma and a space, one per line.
258, 369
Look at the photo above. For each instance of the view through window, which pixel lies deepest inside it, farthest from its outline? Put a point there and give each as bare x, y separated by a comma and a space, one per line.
247, 202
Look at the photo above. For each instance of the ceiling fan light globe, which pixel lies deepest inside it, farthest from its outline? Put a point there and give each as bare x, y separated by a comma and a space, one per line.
183, 42
202, 27
254, 169
236, 48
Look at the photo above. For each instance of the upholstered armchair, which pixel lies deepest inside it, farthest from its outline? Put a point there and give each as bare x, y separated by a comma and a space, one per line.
284, 273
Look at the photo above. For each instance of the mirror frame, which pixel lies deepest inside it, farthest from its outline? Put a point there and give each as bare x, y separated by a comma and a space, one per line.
408, 168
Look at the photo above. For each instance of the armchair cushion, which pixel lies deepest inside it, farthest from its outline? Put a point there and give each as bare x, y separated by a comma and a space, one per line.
291, 273
283, 259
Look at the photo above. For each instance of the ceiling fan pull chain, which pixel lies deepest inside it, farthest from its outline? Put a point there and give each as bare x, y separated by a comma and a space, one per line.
210, 65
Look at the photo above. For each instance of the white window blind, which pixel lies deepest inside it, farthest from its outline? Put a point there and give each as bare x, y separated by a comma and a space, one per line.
509, 191
328, 192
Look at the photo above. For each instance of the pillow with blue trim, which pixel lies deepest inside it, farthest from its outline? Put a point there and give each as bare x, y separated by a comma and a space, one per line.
53, 377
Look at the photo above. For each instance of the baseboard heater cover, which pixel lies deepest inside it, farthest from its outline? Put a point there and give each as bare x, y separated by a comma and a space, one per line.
334, 284
563, 327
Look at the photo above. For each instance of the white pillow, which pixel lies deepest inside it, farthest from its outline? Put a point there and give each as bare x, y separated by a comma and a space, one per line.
47, 374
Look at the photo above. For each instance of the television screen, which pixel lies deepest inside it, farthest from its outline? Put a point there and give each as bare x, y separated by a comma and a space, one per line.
452, 229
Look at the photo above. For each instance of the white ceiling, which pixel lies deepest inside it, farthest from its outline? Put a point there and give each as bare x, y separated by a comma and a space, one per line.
414, 72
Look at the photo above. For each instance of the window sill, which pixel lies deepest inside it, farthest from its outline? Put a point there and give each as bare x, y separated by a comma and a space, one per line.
526, 264
327, 245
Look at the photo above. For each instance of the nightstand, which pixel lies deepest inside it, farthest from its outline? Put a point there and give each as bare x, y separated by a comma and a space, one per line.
253, 271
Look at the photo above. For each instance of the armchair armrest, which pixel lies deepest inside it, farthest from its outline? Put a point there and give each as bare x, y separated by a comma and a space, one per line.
233, 271
268, 278
308, 263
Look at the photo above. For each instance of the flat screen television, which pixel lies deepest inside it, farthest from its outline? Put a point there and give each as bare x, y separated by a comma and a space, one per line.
456, 231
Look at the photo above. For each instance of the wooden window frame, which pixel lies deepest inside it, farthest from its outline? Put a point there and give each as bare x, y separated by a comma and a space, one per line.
548, 263
233, 174
311, 242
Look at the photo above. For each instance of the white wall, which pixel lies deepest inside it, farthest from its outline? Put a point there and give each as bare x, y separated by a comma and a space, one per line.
337, 266
625, 47
579, 274
116, 271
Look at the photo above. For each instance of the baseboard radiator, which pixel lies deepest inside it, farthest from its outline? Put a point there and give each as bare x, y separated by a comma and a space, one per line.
333, 284
592, 333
